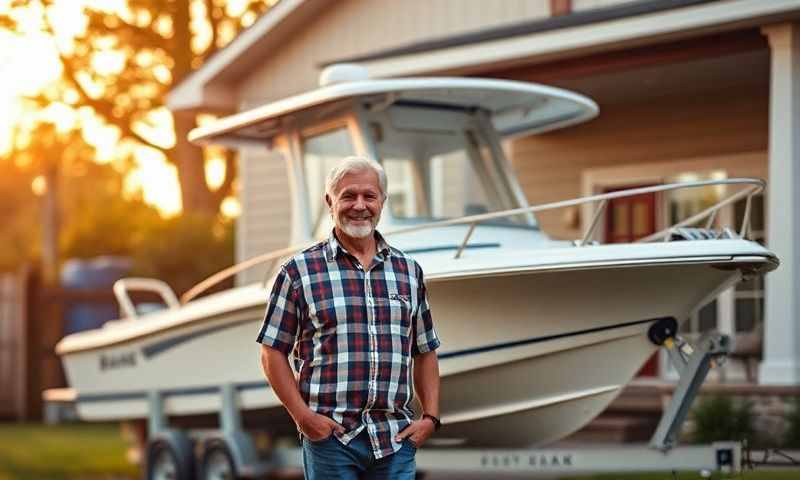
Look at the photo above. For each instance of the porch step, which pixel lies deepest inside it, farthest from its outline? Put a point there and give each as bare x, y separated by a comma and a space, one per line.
631, 417
609, 428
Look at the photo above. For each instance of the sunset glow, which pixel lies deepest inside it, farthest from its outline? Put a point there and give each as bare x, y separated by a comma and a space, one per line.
19, 77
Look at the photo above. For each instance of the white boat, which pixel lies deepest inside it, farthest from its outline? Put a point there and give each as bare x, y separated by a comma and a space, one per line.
538, 335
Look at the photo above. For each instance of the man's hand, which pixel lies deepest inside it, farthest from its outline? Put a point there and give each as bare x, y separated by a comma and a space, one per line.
317, 427
418, 432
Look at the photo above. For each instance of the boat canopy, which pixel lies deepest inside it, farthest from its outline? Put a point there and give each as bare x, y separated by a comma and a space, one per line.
515, 108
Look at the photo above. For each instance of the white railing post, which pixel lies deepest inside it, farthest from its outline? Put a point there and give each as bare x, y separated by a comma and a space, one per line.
595, 219
466, 239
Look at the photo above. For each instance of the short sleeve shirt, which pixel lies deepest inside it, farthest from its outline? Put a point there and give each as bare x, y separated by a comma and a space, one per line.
352, 332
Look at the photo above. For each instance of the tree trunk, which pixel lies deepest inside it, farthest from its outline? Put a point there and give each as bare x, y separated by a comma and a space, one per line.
196, 197
51, 221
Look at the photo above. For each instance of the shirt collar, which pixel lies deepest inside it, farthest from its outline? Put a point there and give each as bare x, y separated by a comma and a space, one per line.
333, 247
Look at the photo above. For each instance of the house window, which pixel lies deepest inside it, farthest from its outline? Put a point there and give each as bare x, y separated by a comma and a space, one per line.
684, 203
749, 294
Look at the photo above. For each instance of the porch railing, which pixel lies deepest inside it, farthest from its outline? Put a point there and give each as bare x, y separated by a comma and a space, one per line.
753, 186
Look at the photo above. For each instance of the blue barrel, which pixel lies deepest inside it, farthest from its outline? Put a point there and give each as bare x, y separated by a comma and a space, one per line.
97, 273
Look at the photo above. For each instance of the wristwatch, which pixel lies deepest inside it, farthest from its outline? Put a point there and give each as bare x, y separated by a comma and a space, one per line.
436, 422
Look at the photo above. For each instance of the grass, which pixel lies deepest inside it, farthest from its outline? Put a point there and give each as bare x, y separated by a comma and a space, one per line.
749, 475
97, 452
63, 452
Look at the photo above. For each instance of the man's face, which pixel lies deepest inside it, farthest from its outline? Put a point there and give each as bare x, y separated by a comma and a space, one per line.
357, 203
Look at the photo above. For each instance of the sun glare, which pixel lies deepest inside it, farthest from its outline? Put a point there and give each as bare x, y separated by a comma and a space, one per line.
29, 65
231, 207
157, 181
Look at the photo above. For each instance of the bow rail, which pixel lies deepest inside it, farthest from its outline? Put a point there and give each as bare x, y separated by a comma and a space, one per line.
754, 186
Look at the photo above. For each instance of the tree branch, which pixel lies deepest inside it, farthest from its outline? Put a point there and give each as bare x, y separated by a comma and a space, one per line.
104, 108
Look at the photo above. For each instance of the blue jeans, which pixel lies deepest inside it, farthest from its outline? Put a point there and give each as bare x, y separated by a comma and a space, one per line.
330, 459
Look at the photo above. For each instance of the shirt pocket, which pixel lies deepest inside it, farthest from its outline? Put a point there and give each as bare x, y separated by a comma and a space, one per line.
394, 310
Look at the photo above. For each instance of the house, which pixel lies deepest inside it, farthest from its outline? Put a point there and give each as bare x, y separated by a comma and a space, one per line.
687, 89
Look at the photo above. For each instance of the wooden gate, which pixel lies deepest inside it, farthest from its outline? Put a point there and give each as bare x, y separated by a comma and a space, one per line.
13, 346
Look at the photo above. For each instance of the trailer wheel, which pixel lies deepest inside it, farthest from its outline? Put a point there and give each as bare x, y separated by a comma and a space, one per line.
167, 462
217, 463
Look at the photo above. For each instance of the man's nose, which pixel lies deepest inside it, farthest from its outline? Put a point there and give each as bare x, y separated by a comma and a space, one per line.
360, 203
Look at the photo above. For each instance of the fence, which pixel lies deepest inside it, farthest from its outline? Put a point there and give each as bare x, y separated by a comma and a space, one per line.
31, 324
13, 345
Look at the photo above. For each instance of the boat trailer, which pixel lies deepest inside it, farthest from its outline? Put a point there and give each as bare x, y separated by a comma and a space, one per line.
231, 452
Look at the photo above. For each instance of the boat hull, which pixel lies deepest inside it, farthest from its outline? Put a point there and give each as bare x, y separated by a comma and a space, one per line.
527, 358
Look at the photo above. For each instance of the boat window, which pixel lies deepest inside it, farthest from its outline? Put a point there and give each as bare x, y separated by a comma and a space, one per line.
321, 153
442, 174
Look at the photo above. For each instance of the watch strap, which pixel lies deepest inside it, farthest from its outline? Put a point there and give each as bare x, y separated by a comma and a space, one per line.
436, 422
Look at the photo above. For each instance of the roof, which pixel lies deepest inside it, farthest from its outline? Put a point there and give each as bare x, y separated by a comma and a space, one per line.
575, 19
515, 108
233, 61
213, 85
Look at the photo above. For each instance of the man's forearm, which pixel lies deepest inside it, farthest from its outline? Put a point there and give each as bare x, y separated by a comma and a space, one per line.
281, 379
426, 381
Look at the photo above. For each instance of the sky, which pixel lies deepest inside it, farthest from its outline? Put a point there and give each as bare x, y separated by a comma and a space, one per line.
153, 176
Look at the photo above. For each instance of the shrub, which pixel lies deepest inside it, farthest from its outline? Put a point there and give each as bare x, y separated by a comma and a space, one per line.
792, 436
719, 418
185, 250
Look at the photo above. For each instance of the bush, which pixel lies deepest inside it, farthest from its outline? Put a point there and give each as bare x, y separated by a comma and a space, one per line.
792, 436
719, 418
184, 250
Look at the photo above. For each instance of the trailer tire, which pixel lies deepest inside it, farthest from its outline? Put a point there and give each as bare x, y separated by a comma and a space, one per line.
171, 459
217, 462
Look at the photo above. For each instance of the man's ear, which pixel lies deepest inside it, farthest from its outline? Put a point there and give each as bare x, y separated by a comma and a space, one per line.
328, 200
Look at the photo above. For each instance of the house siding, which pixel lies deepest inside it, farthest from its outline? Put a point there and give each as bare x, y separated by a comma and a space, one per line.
670, 128
361, 27
264, 224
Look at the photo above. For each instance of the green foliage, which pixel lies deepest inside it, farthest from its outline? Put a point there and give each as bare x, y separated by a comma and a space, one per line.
158, 44
791, 438
97, 218
184, 250
719, 418
63, 452
19, 222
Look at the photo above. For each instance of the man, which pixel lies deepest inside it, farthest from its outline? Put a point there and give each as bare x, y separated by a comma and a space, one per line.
354, 312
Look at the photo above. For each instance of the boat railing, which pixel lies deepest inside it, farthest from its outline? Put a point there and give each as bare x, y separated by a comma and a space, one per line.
754, 186
123, 286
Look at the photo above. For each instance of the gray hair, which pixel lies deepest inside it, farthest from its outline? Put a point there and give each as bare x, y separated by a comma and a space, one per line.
354, 164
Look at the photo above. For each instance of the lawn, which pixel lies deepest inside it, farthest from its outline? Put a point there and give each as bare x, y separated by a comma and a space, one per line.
97, 452
749, 475
62, 452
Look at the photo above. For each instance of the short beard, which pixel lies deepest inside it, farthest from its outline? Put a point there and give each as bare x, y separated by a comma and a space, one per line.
358, 231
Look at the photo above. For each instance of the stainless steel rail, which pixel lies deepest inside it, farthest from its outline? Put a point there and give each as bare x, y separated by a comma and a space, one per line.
754, 186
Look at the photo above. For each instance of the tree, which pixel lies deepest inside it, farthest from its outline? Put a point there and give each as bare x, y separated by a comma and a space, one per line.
82, 206
125, 61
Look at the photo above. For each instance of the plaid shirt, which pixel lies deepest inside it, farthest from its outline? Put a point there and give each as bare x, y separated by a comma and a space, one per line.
353, 334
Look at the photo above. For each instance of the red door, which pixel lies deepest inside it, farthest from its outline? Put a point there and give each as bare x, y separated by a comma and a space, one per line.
629, 219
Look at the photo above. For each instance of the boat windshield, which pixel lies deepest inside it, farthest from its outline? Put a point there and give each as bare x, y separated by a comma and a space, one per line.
441, 172
437, 168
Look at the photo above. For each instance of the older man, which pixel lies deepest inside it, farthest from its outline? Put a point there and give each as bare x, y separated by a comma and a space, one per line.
354, 312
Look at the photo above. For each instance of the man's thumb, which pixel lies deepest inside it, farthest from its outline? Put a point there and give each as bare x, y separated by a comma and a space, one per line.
337, 427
